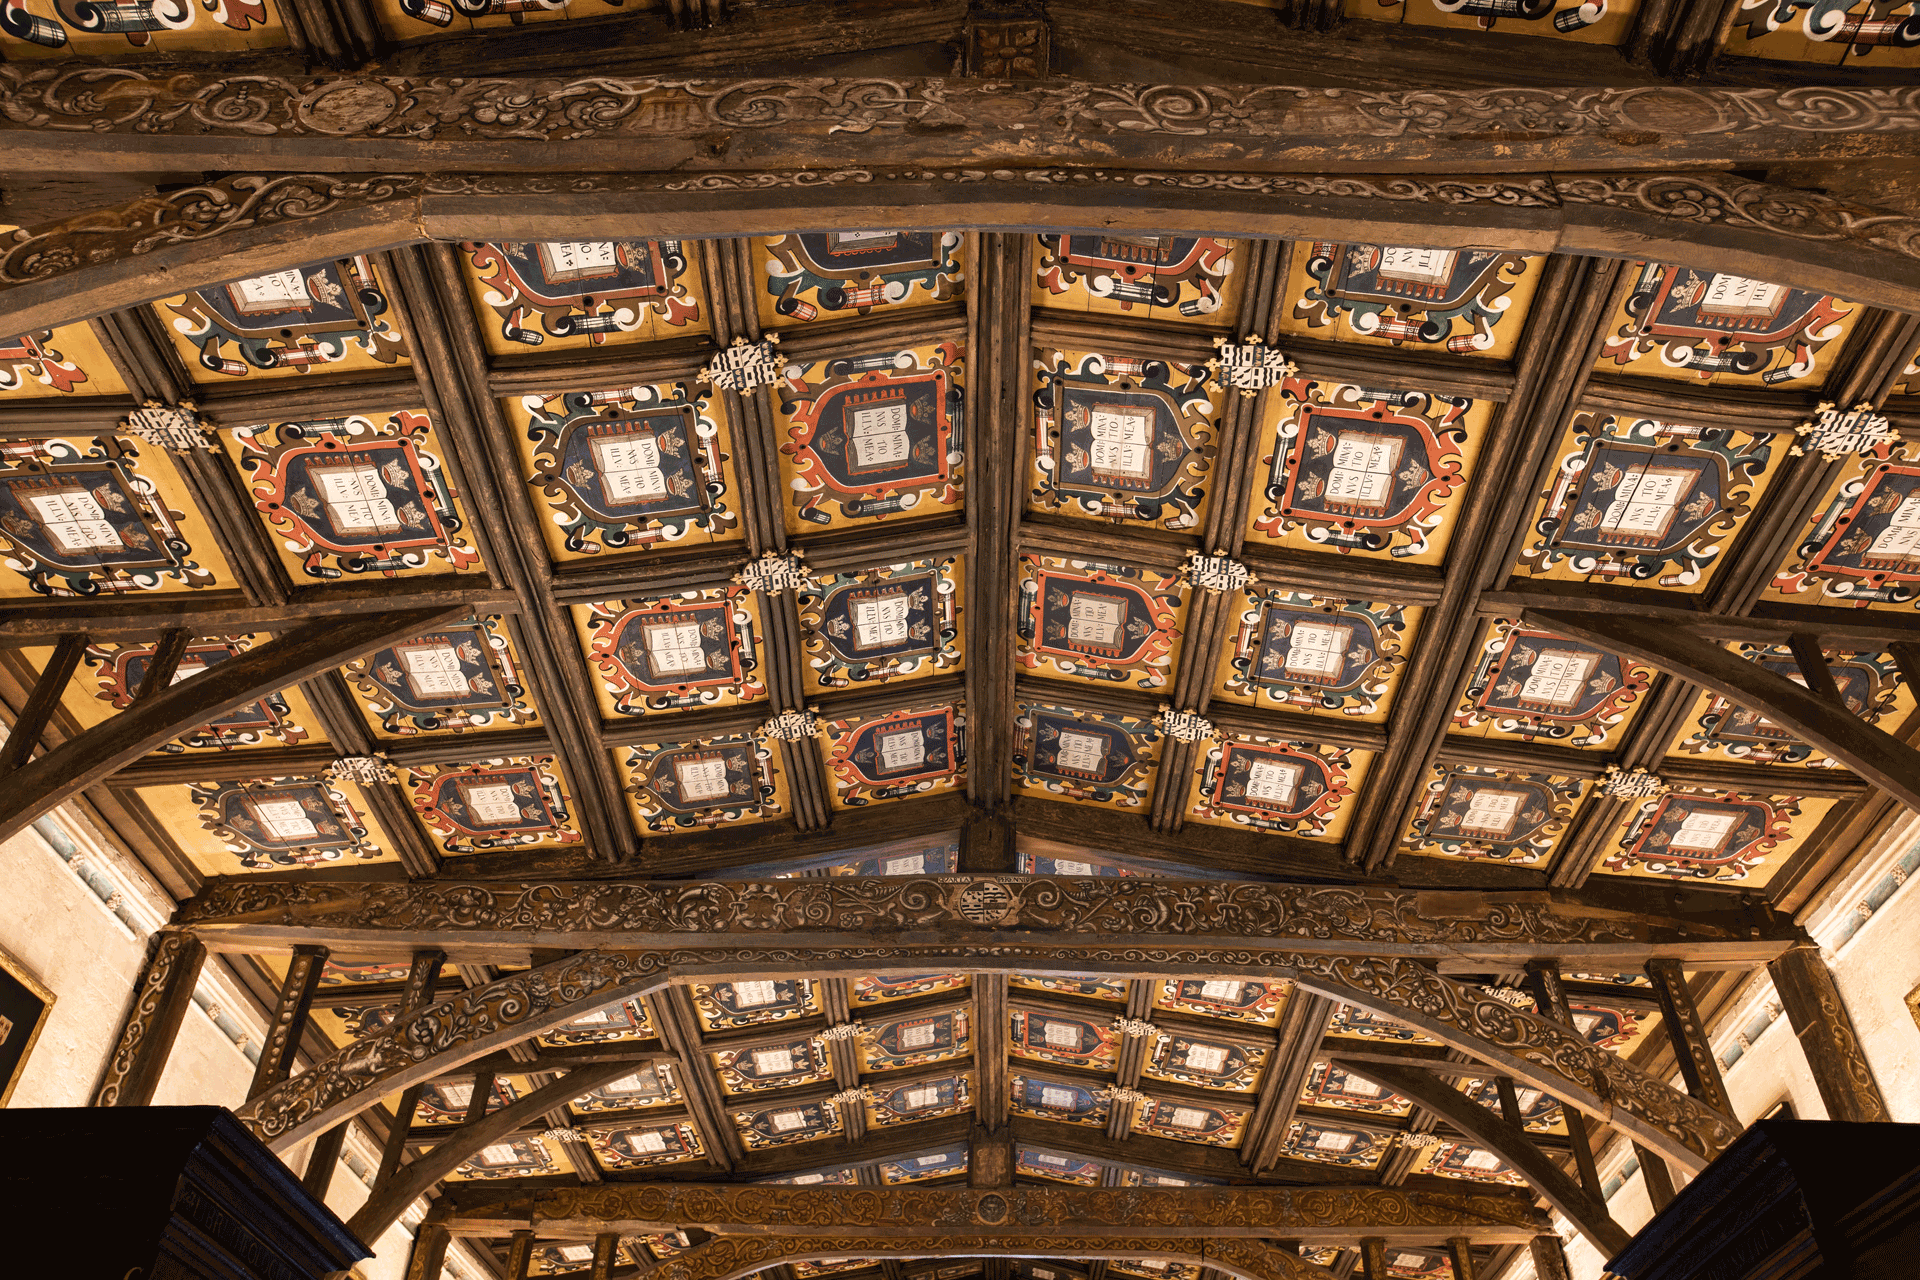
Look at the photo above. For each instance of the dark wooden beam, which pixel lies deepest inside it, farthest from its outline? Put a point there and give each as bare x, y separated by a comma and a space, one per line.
30, 624
1688, 1033
1510, 1142
289, 1020
23, 739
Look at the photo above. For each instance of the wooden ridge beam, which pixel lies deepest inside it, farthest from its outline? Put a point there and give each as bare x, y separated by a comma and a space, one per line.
1871, 752
97, 753
1506, 1140
1310, 1215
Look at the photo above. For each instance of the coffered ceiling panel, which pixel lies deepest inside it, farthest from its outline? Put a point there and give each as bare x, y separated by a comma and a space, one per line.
1319, 655
836, 275
1708, 327
1177, 279
84, 515
67, 361
1639, 502
628, 469
1461, 302
581, 294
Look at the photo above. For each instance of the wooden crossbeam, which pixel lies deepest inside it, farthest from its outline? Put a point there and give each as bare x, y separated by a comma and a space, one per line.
480, 920
1873, 753
1310, 1215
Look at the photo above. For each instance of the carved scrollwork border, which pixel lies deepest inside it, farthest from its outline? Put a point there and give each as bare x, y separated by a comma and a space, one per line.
59, 273
1306, 1213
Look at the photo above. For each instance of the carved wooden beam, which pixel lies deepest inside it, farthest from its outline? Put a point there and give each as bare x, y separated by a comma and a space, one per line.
614, 122
454, 1147
1316, 1215
244, 223
734, 1257
292, 656
1873, 753
1508, 1141
1848, 628
1032, 914
526, 1004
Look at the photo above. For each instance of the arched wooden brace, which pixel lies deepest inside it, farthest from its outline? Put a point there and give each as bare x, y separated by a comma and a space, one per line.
409, 1182
465, 1026
246, 224
1871, 752
290, 657
1506, 1140
735, 1257
1317, 1215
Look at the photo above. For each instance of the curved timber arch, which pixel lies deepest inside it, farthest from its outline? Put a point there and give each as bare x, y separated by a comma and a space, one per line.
246, 224
461, 1028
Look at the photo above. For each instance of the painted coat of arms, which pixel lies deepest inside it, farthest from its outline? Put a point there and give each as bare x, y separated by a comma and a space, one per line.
852, 272
1451, 299
900, 754
729, 779
1363, 469
1314, 654
1634, 497
1103, 757
873, 436
629, 467
1098, 621
1533, 684
291, 321
1158, 276
583, 289
1864, 546
352, 495
87, 520
697, 648
1271, 785
492, 804
1468, 811
897, 621
1721, 836
1679, 322
287, 822
1122, 438
459, 678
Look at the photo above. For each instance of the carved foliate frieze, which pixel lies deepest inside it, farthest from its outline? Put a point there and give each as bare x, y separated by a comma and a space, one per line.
1127, 906
552, 108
